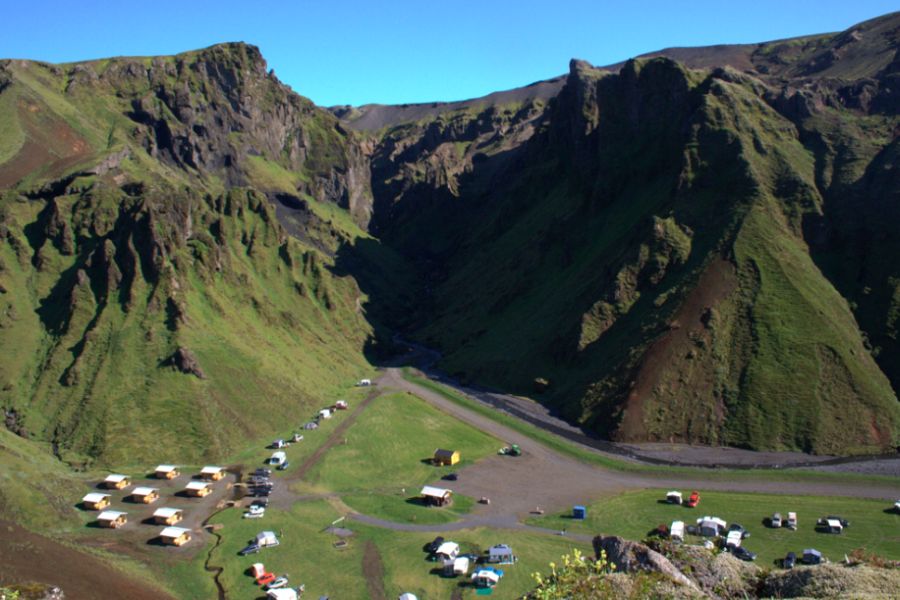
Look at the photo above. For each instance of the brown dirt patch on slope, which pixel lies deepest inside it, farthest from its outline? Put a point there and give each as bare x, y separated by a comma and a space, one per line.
373, 570
28, 557
716, 283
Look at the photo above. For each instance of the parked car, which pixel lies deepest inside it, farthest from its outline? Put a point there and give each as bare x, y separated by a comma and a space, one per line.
744, 554
283, 466
776, 520
432, 547
693, 500
250, 549
277, 583
450, 477
261, 502
843, 522
736, 527
789, 560
255, 512
266, 579
262, 472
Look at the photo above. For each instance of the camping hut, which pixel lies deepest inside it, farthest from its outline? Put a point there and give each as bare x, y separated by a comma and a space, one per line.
501, 554
95, 501
579, 512
485, 578
674, 497
166, 472
197, 489
210, 473
144, 495
175, 536
445, 458
167, 516
435, 496
676, 531
116, 482
112, 519
447, 551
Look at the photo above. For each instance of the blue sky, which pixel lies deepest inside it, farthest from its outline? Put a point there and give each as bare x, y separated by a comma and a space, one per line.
354, 52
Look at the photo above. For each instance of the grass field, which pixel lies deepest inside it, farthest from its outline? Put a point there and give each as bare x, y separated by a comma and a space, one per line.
580, 453
633, 515
384, 459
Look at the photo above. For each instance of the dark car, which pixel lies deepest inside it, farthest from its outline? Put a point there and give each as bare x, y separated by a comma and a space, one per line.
450, 477
283, 466
261, 502
744, 554
251, 549
432, 546
789, 561
735, 527
262, 472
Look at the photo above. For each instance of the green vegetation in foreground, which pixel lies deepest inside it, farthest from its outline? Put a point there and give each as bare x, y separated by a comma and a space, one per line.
583, 454
634, 514
307, 555
385, 459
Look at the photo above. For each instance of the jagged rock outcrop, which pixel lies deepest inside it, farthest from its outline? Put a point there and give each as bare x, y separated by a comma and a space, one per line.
630, 557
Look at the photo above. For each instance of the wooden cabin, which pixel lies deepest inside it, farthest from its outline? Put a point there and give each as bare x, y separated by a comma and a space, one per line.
198, 489
95, 501
167, 516
144, 495
116, 482
175, 536
112, 519
445, 457
167, 472
209, 473
434, 496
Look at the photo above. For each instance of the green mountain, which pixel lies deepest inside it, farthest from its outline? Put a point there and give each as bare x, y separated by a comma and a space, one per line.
693, 246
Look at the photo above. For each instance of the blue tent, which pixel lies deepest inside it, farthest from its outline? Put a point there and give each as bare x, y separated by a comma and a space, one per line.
579, 512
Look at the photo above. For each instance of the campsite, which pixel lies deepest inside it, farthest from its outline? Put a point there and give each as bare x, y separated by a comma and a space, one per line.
348, 514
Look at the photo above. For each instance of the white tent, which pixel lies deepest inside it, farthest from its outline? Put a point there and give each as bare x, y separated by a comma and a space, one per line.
407, 596
448, 549
673, 497
501, 553
325, 413
460, 565
676, 531
711, 526
834, 526
278, 458
266, 538
282, 594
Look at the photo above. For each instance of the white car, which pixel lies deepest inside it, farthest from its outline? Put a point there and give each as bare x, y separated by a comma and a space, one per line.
255, 512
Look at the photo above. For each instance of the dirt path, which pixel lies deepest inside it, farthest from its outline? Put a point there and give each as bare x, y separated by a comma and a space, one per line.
543, 478
373, 570
29, 557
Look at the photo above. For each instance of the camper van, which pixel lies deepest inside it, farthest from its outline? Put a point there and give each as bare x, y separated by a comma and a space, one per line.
278, 458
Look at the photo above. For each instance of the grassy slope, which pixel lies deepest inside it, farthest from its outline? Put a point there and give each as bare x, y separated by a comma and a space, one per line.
633, 515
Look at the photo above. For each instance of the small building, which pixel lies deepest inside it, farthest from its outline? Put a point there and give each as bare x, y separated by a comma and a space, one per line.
325, 413
95, 501
444, 458
116, 482
210, 473
167, 516
341, 405
447, 551
175, 536
676, 531
144, 495
197, 489
674, 497
435, 496
579, 512
501, 554
167, 472
278, 458
112, 519
486, 578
